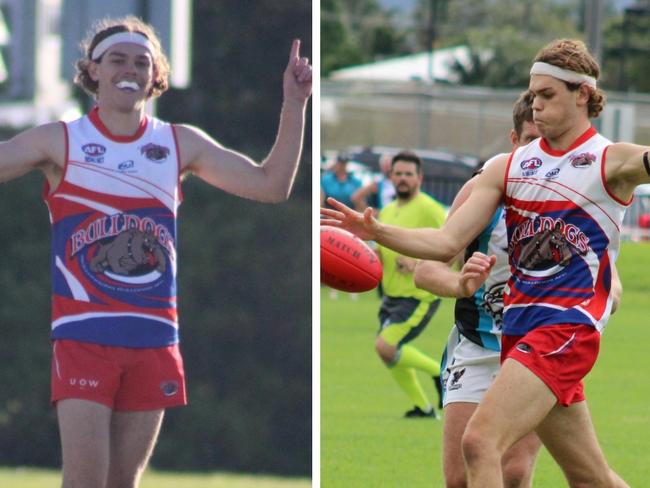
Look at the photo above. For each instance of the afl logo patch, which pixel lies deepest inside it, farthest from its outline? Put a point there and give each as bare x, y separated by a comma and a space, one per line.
530, 166
94, 152
532, 163
93, 149
169, 388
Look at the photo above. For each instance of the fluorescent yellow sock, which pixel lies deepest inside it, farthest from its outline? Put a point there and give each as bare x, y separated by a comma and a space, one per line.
408, 382
410, 357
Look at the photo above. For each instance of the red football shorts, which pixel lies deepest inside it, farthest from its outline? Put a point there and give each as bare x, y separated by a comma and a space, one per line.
560, 355
122, 378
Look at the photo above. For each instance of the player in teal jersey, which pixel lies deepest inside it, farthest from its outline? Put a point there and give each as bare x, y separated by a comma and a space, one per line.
405, 310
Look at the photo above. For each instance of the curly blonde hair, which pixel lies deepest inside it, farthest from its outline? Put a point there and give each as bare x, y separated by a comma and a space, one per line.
573, 55
107, 27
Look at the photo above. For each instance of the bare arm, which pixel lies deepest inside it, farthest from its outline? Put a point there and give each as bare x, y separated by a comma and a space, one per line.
439, 278
272, 180
625, 168
42, 147
437, 244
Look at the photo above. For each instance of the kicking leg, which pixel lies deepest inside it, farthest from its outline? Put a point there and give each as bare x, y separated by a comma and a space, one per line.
513, 406
569, 435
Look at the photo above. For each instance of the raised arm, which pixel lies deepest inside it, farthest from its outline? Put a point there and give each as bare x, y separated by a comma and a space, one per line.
41, 147
437, 244
271, 180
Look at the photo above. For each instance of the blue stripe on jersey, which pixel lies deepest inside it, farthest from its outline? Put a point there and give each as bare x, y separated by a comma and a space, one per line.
520, 320
107, 331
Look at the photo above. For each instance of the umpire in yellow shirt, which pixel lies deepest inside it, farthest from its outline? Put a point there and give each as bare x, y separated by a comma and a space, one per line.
406, 310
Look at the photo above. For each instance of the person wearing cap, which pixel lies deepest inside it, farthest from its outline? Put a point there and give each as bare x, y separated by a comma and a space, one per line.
565, 195
338, 182
112, 191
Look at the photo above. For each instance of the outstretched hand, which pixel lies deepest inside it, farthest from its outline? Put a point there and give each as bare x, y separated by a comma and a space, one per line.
364, 225
474, 273
297, 76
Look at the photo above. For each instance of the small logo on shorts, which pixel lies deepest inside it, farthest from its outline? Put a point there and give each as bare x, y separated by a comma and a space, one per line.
454, 380
523, 347
169, 388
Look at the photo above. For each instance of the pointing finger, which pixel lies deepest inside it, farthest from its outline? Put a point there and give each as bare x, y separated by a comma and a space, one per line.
295, 50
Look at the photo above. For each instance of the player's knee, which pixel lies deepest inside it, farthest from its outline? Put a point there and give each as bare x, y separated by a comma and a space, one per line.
516, 474
385, 351
475, 446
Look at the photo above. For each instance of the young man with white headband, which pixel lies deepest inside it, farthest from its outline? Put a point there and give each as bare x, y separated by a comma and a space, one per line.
112, 190
565, 195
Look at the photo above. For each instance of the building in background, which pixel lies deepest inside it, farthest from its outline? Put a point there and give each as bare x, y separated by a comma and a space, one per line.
39, 44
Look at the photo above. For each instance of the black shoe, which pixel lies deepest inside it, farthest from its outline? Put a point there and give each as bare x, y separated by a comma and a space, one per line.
417, 412
438, 385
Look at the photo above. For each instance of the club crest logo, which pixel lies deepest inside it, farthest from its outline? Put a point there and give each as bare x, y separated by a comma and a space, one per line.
133, 252
582, 160
454, 380
523, 347
169, 388
154, 152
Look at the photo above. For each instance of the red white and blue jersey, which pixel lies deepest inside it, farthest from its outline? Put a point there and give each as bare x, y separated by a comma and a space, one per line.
113, 222
563, 235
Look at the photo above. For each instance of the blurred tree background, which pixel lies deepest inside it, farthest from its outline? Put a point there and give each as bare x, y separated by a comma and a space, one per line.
512, 31
244, 272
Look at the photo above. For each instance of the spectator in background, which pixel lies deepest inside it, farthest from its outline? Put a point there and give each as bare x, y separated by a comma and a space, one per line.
379, 192
339, 183
405, 310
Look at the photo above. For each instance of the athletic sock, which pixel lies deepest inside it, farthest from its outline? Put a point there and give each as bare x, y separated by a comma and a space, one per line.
410, 357
407, 380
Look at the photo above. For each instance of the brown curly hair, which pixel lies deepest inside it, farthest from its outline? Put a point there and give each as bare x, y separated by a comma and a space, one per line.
573, 55
107, 27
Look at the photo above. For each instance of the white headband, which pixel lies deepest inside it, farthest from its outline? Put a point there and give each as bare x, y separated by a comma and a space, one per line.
110, 41
562, 74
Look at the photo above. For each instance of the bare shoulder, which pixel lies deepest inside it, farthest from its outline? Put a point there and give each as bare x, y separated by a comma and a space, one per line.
619, 152
42, 145
193, 142
494, 171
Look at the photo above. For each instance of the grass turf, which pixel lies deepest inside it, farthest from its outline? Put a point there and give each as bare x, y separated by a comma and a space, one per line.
42, 478
365, 442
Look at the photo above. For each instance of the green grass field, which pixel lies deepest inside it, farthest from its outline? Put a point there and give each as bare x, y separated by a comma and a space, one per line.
366, 443
42, 478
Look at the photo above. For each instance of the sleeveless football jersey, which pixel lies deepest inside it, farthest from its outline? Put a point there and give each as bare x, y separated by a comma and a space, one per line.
113, 222
563, 235
480, 317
